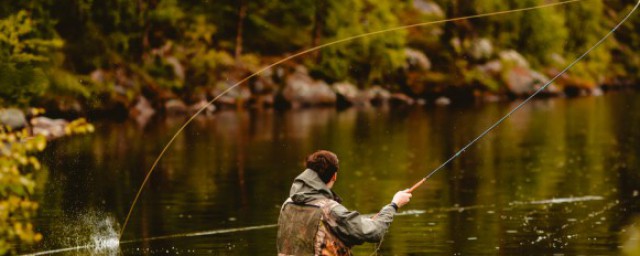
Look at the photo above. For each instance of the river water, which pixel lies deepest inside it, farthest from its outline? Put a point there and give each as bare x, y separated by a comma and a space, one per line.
561, 176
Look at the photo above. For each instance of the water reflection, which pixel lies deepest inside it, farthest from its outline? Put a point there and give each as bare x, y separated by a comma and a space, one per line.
233, 169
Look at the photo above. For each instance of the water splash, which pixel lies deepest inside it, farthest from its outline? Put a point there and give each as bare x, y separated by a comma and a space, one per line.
93, 233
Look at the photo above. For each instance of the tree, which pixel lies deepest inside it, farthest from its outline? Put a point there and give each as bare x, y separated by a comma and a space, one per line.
366, 60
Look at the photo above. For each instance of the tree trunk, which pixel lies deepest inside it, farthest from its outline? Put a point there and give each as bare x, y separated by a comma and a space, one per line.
318, 26
242, 13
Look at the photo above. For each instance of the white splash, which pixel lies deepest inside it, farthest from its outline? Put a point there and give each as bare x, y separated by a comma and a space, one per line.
562, 200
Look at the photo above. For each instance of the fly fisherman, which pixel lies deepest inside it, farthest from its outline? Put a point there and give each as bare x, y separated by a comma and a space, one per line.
313, 222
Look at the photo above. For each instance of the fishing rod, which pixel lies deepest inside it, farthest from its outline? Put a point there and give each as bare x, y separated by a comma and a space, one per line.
459, 152
179, 131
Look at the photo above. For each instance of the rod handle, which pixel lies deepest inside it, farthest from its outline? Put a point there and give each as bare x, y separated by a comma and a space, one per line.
418, 184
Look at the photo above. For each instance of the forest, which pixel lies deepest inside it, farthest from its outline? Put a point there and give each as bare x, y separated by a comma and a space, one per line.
86, 57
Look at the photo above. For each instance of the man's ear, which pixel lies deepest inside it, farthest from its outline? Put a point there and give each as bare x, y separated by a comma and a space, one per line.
334, 177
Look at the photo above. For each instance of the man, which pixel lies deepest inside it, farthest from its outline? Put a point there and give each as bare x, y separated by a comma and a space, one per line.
313, 222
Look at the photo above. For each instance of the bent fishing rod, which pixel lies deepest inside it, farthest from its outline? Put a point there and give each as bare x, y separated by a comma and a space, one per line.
343, 40
497, 123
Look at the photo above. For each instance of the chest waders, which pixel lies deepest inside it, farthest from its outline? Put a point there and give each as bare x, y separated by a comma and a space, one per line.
303, 229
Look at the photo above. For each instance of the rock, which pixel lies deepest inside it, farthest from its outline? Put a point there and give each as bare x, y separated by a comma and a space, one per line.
50, 128
596, 91
489, 97
377, 94
481, 49
209, 108
175, 107
514, 58
263, 100
417, 59
493, 67
301, 89
178, 69
237, 96
428, 8
519, 80
12, 118
142, 111
442, 101
348, 94
97, 76
401, 98
347, 90
522, 81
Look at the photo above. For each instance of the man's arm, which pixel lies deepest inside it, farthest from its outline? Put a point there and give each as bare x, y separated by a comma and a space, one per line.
353, 228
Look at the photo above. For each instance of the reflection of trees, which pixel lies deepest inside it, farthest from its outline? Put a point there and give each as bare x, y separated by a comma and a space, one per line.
235, 168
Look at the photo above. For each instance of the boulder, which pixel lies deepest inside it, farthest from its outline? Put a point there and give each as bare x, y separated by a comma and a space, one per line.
417, 59
513, 58
50, 128
301, 89
12, 118
237, 96
348, 94
481, 49
402, 99
175, 107
493, 67
523, 81
442, 101
377, 94
428, 8
142, 111
203, 103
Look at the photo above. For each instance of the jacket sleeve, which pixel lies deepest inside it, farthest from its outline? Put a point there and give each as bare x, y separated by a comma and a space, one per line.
353, 228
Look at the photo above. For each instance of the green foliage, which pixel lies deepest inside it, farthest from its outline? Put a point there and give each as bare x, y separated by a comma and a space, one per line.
23, 59
188, 46
367, 60
17, 165
586, 24
29, 65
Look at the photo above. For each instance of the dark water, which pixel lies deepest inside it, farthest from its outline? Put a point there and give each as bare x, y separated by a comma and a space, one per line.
234, 169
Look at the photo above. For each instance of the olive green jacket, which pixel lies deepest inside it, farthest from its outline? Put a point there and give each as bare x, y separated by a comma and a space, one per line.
352, 228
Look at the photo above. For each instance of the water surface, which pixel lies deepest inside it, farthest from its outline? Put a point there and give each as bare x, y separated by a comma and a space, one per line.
559, 177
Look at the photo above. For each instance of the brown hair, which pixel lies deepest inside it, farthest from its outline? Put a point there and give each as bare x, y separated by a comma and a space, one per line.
323, 162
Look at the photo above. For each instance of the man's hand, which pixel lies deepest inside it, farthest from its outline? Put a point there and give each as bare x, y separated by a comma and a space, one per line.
401, 198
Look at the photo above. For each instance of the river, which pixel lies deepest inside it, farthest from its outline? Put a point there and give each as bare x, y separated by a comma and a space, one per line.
561, 176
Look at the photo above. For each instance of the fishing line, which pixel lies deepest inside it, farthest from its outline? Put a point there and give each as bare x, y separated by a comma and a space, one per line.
457, 154
590, 216
455, 209
157, 160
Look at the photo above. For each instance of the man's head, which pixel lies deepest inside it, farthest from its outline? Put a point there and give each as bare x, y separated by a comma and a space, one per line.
325, 163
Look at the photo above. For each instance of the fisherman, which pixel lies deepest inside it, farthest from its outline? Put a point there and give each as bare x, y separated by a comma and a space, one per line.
313, 222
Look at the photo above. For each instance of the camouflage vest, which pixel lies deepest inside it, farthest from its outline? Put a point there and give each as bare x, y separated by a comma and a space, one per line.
303, 230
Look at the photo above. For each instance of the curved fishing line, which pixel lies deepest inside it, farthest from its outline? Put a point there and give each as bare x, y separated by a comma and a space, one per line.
414, 212
457, 154
155, 163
